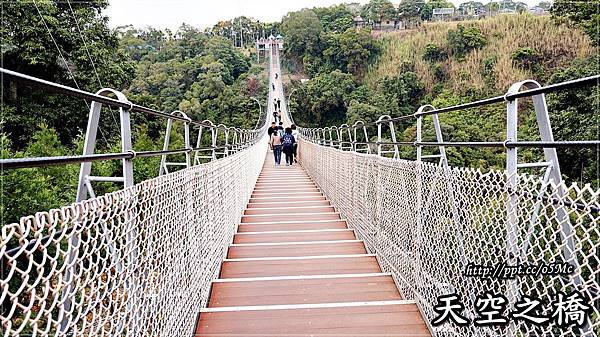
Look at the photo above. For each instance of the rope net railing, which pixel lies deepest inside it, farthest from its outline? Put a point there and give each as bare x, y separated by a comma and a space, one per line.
135, 262
426, 222
138, 261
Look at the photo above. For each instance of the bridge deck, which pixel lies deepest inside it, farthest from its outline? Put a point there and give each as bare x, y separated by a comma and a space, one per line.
295, 269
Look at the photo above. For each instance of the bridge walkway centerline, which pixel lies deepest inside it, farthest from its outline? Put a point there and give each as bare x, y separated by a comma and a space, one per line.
294, 268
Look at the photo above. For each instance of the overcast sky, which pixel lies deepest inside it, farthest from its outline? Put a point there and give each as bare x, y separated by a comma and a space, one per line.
206, 13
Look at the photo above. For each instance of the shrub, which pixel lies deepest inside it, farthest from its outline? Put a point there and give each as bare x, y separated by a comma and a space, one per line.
440, 73
464, 39
433, 53
526, 57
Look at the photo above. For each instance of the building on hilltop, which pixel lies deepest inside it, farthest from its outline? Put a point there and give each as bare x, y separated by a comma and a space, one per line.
442, 14
359, 22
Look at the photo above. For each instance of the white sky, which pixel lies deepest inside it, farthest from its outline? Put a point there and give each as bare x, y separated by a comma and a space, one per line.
205, 13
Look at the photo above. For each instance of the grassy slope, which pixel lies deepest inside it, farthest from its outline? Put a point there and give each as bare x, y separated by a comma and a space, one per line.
558, 45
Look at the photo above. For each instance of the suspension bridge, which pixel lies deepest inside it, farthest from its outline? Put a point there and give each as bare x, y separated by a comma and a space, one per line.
354, 241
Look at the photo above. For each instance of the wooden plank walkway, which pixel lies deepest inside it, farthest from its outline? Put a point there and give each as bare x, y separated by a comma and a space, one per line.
295, 269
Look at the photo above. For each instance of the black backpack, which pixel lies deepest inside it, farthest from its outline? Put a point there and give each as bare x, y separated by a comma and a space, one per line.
288, 140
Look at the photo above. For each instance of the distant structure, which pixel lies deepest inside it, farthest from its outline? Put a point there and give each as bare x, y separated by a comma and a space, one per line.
507, 11
389, 24
264, 45
359, 22
538, 11
442, 14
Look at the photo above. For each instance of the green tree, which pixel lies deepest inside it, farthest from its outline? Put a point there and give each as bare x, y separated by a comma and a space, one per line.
585, 14
377, 10
464, 39
324, 100
400, 95
301, 30
527, 58
335, 18
574, 116
433, 53
412, 10
86, 54
350, 51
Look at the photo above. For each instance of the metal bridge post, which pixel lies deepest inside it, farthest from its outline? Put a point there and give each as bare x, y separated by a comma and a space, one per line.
438, 135
445, 175
380, 151
84, 186
355, 144
225, 146
345, 128
212, 144
553, 174
333, 130
164, 165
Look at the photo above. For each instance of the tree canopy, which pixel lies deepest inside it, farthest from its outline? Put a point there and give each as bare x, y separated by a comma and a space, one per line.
585, 14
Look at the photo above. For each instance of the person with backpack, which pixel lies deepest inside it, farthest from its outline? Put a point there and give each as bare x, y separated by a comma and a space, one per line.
280, 129
288, 141
276, 146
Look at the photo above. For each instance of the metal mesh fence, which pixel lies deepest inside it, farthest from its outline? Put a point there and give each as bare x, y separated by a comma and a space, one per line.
426, 223
137, 262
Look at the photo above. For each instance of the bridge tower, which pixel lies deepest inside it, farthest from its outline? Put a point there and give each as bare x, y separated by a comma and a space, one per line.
263, 45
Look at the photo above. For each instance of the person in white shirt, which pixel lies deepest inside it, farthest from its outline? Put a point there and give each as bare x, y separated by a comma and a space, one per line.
295, 133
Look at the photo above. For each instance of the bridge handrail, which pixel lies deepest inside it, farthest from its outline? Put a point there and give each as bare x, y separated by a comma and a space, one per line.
577, 83
16, 163
309, 133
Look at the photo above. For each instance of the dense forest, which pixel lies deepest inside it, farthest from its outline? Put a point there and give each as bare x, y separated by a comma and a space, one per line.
356, 76
353, 75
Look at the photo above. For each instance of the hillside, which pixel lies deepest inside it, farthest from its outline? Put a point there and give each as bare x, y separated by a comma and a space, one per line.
446, 64
495, 65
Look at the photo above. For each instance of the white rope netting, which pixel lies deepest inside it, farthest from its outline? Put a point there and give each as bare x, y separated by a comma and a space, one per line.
426, 222
136, 262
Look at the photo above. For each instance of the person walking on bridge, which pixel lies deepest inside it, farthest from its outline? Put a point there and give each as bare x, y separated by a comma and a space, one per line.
288, 142
279, 105
272, 129
276, 145
276, 116
295, 133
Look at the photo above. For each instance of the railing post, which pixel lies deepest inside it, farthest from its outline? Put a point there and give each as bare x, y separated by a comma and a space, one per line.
84, 186
554, 174
164, 165
355, 144
380, 151
438, 135
512, 221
